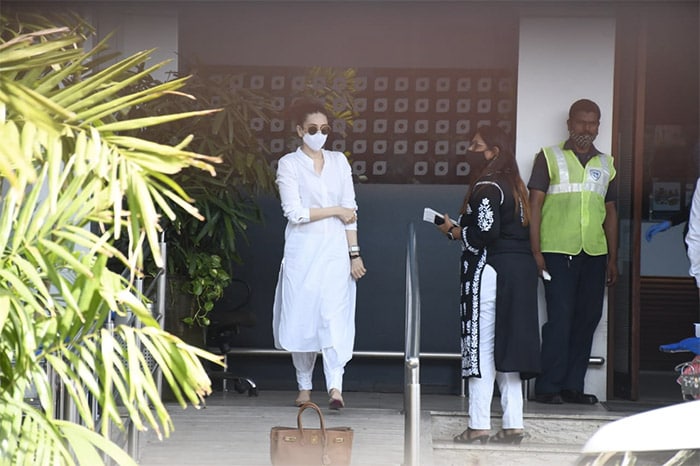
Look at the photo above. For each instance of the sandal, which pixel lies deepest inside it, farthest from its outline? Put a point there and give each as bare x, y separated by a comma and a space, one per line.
336, 401
304, 396
511, 436
468, 437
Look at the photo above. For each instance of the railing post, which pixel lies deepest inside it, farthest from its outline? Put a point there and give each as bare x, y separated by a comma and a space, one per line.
412, 356
160, 301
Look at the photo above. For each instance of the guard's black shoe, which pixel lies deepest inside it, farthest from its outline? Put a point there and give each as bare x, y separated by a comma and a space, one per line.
574, 396
549, 398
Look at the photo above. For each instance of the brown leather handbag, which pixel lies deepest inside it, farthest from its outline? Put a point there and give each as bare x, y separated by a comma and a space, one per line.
301, 446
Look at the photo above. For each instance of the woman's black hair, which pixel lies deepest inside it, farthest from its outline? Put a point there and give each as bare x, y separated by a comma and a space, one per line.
304, 107
504, 163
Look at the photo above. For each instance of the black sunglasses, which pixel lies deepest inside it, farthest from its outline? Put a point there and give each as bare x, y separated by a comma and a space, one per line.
313, 129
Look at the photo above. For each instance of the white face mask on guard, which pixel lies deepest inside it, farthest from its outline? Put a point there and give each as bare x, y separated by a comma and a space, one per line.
315, 141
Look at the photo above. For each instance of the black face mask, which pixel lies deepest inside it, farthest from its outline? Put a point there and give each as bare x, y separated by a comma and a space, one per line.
472, 154
476, 160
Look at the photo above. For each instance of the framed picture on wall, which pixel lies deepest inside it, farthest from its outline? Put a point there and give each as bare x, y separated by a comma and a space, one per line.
666, 196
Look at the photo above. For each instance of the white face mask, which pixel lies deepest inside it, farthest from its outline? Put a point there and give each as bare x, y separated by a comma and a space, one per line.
315, 141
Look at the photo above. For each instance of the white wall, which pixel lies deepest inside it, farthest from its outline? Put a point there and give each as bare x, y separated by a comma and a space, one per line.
560, 61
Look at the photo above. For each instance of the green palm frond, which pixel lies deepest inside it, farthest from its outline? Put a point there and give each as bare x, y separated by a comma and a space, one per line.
73, 182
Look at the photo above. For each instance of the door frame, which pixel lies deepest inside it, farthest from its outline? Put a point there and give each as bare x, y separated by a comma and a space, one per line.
627, 24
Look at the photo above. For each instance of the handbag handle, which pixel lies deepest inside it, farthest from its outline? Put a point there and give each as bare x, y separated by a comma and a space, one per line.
682, 367
313, 406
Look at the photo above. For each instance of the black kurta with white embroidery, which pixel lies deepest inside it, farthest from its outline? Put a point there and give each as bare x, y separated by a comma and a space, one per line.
492, 233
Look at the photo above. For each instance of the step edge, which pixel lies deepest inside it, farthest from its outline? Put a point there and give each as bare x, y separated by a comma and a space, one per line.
573, 417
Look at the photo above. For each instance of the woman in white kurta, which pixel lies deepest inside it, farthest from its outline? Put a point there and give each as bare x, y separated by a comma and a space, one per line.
314, 308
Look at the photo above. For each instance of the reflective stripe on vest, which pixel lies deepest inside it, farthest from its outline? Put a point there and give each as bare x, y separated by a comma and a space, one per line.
566, 186
574, 208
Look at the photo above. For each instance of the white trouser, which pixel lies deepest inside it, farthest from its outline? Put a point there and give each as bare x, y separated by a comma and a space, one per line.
481, 389
332, 369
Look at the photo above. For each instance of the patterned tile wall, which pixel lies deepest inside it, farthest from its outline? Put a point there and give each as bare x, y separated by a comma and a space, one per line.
411, 126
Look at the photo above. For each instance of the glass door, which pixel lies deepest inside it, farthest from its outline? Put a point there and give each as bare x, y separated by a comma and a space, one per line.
656, 128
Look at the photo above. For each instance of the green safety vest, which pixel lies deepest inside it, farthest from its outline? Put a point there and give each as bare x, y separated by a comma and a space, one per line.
574, 207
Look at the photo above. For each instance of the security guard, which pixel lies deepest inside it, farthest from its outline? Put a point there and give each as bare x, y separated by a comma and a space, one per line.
573, 234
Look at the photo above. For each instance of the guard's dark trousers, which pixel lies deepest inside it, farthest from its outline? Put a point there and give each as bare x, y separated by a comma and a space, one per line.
574, 307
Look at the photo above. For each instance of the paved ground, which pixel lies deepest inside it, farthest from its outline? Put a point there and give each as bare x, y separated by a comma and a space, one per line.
234, 429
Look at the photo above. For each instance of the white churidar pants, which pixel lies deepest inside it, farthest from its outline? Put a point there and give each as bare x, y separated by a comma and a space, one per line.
509, 383
332, 369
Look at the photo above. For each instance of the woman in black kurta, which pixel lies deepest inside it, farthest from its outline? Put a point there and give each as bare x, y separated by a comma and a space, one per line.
498, 306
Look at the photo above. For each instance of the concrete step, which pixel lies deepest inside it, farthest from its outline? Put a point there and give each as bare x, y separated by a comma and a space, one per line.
527, 454
550, 439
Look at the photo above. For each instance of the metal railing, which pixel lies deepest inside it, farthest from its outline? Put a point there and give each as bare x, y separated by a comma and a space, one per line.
66, 408
355, 354
156, 294
411, 451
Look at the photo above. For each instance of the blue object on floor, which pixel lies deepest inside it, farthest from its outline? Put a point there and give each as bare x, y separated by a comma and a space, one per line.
691, 344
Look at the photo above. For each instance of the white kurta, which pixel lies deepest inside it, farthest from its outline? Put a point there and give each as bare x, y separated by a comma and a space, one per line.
314, 304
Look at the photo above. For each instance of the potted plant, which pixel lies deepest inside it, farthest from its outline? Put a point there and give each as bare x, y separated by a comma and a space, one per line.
208, 279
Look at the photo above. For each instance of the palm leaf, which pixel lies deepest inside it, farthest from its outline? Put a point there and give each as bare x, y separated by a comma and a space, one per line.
63, 166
